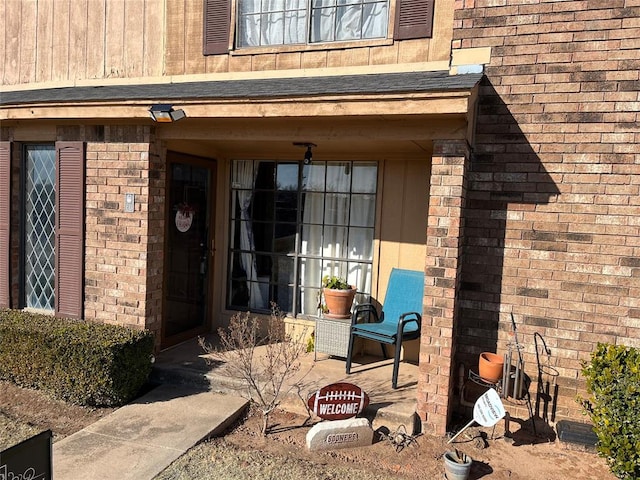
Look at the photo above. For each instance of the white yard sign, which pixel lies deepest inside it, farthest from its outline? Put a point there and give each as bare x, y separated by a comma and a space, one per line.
487, 411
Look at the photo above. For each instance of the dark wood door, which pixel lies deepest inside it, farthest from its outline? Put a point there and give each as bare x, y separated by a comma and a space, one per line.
187, 292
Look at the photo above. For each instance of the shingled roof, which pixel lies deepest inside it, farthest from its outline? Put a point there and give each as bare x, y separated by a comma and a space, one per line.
384, 83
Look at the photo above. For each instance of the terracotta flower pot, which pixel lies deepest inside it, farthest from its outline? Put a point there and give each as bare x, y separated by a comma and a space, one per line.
339, 302
490, 367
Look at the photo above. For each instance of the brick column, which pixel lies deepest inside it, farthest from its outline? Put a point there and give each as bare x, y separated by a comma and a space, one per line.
443, 266
124, 250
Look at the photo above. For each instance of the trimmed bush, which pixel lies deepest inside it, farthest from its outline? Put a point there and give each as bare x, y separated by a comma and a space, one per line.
77, 361
613, 379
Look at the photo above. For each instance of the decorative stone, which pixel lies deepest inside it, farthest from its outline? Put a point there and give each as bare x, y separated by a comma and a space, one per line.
353, 432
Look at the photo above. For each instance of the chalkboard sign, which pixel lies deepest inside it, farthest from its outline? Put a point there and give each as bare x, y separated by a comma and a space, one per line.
29, 460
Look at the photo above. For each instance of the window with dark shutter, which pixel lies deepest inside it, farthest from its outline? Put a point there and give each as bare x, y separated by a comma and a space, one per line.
5, 226
69, 228
414, 19
217, 23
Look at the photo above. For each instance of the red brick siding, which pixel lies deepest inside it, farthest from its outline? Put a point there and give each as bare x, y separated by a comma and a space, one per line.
444, 246
123, 267
552, 221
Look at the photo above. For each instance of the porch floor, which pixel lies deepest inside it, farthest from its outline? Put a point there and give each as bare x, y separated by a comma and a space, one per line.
187, 363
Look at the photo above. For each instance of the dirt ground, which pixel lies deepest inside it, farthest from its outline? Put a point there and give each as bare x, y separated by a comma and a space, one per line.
245, 453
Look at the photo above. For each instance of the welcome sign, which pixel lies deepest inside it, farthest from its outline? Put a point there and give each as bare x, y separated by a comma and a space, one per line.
338, 401
30, 459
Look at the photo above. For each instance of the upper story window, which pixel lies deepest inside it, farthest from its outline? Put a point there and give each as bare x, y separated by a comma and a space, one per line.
286, 22
272, 23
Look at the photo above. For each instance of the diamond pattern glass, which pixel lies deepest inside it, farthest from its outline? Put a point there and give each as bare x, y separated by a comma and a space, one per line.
40, 204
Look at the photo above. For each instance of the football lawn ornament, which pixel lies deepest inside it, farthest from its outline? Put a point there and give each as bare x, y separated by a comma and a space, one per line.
338, 401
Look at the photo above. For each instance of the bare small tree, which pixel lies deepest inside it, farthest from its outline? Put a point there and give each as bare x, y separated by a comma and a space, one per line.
264, 375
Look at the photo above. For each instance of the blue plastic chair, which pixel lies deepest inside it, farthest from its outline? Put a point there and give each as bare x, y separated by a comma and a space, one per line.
399, 320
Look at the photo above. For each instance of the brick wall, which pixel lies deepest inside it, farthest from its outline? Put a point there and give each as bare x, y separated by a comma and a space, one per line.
445, 231
124, 251
553, 213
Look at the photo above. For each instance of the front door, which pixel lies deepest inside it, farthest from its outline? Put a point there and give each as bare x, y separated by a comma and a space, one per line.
187, 292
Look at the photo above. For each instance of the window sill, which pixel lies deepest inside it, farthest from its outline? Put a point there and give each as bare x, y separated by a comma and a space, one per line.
271, 49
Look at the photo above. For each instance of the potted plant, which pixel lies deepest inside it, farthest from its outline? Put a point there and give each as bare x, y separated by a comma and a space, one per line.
338, 297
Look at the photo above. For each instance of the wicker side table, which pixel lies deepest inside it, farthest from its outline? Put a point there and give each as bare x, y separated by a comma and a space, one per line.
332, 336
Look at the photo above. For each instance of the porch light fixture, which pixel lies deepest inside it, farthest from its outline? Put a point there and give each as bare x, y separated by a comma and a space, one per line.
308, 155
164, 113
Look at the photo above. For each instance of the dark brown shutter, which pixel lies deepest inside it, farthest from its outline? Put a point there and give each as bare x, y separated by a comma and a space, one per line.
5, 225
414, 19
69, 228
217, 23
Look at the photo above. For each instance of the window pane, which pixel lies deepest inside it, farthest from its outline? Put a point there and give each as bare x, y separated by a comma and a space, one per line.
336, 209
364, 177
309, 300
295, 27
40, 201
334, 242
272, 28
339, 177
287, 176
335, 268
249, 31
349, 22
360, 243
323, 24
283, 278
313, 177
375, 20
363, 210
295, 4
360, 275
271, 22
286, 206
242, 174
250, 6
311, 240
261, 301
285, 238
313, 208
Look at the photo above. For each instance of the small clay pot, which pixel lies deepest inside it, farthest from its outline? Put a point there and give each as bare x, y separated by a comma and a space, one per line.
490, 367
457, 466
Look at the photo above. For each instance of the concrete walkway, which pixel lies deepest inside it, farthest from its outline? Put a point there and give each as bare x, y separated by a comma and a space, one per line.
141, 439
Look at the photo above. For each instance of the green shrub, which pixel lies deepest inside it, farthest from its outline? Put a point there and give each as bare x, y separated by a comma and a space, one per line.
613, 379
77, 361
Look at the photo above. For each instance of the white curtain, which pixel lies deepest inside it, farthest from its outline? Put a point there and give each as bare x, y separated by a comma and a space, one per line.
244, 176
330, 229
278, 22
270, 22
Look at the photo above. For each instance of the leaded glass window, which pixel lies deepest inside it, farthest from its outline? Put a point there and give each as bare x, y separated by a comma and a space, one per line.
39, 226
